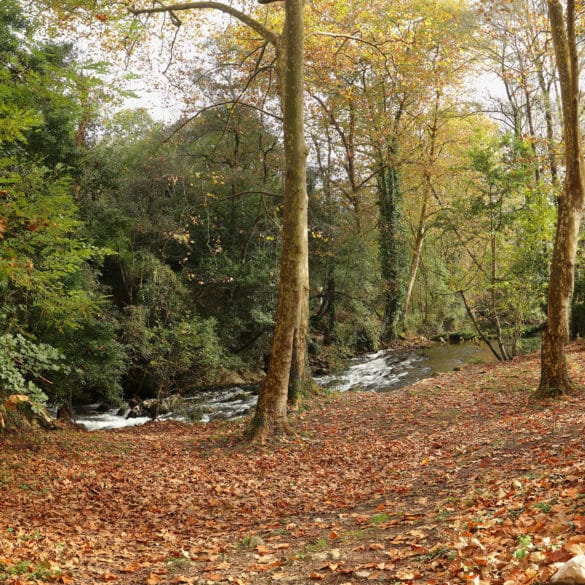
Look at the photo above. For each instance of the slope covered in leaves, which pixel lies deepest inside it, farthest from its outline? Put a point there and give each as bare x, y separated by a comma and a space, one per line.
459, 478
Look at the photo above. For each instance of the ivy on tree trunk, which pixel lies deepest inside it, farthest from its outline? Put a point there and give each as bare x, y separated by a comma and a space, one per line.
392, 251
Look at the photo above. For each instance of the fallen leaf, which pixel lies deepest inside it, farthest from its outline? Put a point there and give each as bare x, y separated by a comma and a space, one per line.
404, 575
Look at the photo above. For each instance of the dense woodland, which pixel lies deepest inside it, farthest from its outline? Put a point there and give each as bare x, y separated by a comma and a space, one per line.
141, 258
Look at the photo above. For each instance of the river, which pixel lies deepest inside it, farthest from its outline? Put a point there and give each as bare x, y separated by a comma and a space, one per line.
381, 371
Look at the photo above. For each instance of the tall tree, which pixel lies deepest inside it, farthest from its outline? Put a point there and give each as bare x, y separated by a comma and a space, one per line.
554, 377
377, 90
287, 363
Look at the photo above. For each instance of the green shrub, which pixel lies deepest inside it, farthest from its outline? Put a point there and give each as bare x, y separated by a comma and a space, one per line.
24, 365
174, 355
99, 362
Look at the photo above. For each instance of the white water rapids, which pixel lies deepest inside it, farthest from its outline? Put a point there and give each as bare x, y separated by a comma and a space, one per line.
381, 371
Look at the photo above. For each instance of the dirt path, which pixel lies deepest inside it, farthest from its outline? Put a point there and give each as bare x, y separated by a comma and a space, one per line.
455, 479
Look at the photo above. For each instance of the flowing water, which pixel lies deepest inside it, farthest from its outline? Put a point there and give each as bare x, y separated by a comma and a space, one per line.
381, 371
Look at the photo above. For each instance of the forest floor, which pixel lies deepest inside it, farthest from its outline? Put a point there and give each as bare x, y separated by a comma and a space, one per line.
457, 479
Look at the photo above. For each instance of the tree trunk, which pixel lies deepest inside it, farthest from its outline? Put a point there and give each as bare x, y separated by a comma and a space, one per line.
428, 190
479, 330
550, 132
415, 261
554, 377
299, 373
292, 309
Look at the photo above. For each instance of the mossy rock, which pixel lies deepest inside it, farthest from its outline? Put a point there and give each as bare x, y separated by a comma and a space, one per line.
23, 414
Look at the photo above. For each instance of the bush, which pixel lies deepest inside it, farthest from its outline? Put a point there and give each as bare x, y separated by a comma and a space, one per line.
172, 356
23, 366
99, 362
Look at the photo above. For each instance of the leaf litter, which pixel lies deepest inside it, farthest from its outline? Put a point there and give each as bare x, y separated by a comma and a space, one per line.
460, 478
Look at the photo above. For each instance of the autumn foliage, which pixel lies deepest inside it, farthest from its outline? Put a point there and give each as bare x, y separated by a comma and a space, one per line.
460, 478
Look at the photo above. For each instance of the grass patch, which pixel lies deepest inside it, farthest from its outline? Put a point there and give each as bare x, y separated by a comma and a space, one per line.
42, 571
380, 518
177, 563
318, 545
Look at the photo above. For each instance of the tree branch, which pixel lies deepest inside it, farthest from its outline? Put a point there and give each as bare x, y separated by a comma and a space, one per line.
264, 32
185, 122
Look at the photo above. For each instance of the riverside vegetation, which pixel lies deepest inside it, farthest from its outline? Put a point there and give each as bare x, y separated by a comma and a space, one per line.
141, 259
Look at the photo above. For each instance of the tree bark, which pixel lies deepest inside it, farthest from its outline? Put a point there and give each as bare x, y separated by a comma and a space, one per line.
554, 378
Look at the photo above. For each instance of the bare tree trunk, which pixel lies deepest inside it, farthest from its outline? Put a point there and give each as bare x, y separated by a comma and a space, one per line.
424, 211
299, 373
479, 330
554, 377
550, 133
420, 229
494, 305
292, 309
415, 260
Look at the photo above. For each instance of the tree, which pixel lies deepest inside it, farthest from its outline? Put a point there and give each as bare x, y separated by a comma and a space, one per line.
554, 376
48, 285
287, 361
504, 225
518, 53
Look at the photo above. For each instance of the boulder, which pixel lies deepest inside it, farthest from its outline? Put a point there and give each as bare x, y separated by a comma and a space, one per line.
571, 572
154, 407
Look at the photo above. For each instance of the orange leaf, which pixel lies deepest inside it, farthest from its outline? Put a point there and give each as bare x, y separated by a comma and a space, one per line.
571, 493
131, 568
152, 579
315, 575
579, 521
558, 556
